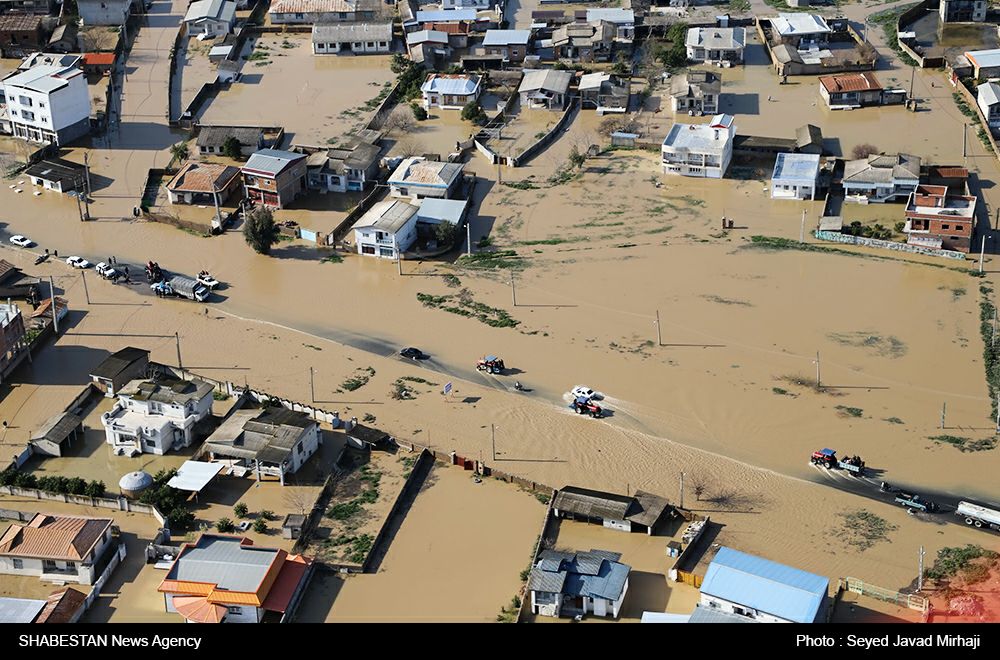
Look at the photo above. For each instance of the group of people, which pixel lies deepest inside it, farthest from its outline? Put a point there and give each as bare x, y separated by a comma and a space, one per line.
153, 272
855, 461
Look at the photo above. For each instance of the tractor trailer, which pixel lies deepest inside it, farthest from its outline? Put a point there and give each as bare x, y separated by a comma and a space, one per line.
978, 516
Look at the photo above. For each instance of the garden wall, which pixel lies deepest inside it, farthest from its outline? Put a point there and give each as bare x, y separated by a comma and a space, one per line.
837, 237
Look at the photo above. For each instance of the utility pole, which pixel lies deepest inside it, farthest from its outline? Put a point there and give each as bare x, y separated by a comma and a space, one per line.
944, 409
913, 71
87, 293
312, 385
493, 436
52, 298
215, 198
818, 381
86, 200
468, 237
996, 222
79, 210
982, 253
399, 263
682, 490
499, 173
998, 413
802, 228
659, 336
965, 152
180, 363
513, 292
920, 573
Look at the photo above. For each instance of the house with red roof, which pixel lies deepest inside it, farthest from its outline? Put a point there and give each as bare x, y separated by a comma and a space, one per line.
58, 548
227, 579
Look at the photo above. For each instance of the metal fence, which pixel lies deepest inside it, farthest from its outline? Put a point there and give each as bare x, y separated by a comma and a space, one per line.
911, 601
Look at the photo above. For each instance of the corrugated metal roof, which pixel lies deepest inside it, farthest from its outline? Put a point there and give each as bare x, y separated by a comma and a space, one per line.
62, 606
223, 561
984, 58
271, 161
389, 215
424, 36
717, 38
216, 136
219, 10
455, 84
712, 615
795, 167
19, 610
864, 81
764, 585
506, 37
548, 79
613, 15
419, 171
57, 428
592, 503
434, 209
194, 475
119, 361
313, 6
43, 78
989, 93
445, 15
351, 32
794, 25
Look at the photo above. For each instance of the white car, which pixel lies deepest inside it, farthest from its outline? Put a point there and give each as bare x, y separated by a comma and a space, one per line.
582, 391
207, 280
104, 270
78, 262
21, 241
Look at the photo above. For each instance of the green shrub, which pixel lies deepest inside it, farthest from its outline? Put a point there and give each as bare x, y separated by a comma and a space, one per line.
241, 510
225, 525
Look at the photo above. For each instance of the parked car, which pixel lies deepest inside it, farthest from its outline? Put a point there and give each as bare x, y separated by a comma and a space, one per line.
78, 262
105, 271
21, 241
205, 279
581, 391
411, 353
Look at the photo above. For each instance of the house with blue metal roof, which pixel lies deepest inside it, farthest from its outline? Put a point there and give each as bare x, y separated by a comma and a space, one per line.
764, 590
577, 583
450, 91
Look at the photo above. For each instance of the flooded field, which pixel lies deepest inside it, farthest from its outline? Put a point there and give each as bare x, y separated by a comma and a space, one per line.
322, 97
437, 556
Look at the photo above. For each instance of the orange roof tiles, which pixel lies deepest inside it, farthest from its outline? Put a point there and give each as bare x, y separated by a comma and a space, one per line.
96, 59
61, 606
287, 582
851, 82
54, 537
194, 608
201, 177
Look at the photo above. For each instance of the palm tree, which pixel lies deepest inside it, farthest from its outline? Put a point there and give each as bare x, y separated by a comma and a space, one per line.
179, 152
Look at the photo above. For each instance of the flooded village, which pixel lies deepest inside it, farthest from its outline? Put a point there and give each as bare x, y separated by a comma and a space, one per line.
668, 312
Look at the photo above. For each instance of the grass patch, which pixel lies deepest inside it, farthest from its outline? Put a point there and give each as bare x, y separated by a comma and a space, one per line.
965, 445
344, 510
508, 613
780, 391
887, 20
417, 379
463, 304
862, 529
894, 420
776, 244
991, 353
219, 396
332, 258
848, 411
359, 548
503, 259
727, 301
452, 281
891, 347
358, 380
952, 561
552, 241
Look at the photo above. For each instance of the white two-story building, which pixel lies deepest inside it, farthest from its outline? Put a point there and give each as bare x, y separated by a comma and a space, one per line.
988, 98
700, 149
57, 548
157, 415
48, 102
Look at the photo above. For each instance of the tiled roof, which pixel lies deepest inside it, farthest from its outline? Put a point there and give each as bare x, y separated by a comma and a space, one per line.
19, 22
95, 59
864, 81
203, 177
62, 606
54, 537
216, 136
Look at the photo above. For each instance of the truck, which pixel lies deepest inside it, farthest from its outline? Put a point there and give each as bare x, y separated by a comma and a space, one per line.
184, 287
978, 516
915, 502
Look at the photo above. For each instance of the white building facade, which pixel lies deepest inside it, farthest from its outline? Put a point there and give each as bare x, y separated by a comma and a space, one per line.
703, 150
387, 230
988, 99
153, 419
351, 38
48, 103
795, 176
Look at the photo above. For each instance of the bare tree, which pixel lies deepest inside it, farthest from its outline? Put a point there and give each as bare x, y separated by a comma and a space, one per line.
698, 485
409, 147
297, 500
400, 119
864, 151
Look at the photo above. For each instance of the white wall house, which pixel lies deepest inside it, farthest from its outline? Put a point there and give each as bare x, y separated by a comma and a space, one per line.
716, 44
49, 102
351, 38
387, 229
450, 91
270, 442
881, 177
571, 584
56, 548
210, 17
703, 150
417, 177
157, 416
103, 12
465, 4
988, 98
795, 176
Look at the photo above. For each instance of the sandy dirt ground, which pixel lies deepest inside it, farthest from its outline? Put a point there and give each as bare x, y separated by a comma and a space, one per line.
130, 594
433, 570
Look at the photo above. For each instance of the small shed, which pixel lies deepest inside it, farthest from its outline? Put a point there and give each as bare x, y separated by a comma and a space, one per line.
642, 513
61, 428
194, 476
360, 436
119, 369
291, 528
134, 483
620, 139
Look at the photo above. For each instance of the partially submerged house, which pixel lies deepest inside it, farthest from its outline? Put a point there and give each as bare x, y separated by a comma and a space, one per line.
985, 63
716, 44
203, 183
578, 583
450, 91
584, 42
427, 47
21, 34
56, 174
962, 11
284, 12
795, 176
268, 442
275, 178
764, 590
119, 369
703, 150
623, 21
988, 99
103, 12
48, 101
641, 512
57, 548
938, 219
387, 229
228, 579
64, 40
881, 177
603, 92
349, 167
801, 31
212, 139
351, 38
417, 177
157, 415
545, 88
695, 92
15, 284
208, 18
850, 90
60, 430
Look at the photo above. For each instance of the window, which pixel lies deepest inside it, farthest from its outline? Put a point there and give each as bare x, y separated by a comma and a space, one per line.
28, 116
18, 564
71, 566
235, 609
41, 104
958, 227
298, 448
945, 226
24, 100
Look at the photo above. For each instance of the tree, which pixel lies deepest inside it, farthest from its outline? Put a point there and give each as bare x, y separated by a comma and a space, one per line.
259, 230
232, 148
266, 514
225, 525
621, 66
95, 489
298, 500
445, 232
260, 526
673, 57
399, 119
399, 63
407, 148
864, 151
418, 111
677, 33
179, 152
576, 159
241, 510
473, 112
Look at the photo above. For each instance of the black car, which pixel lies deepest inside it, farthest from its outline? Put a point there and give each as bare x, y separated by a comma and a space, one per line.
411, 353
